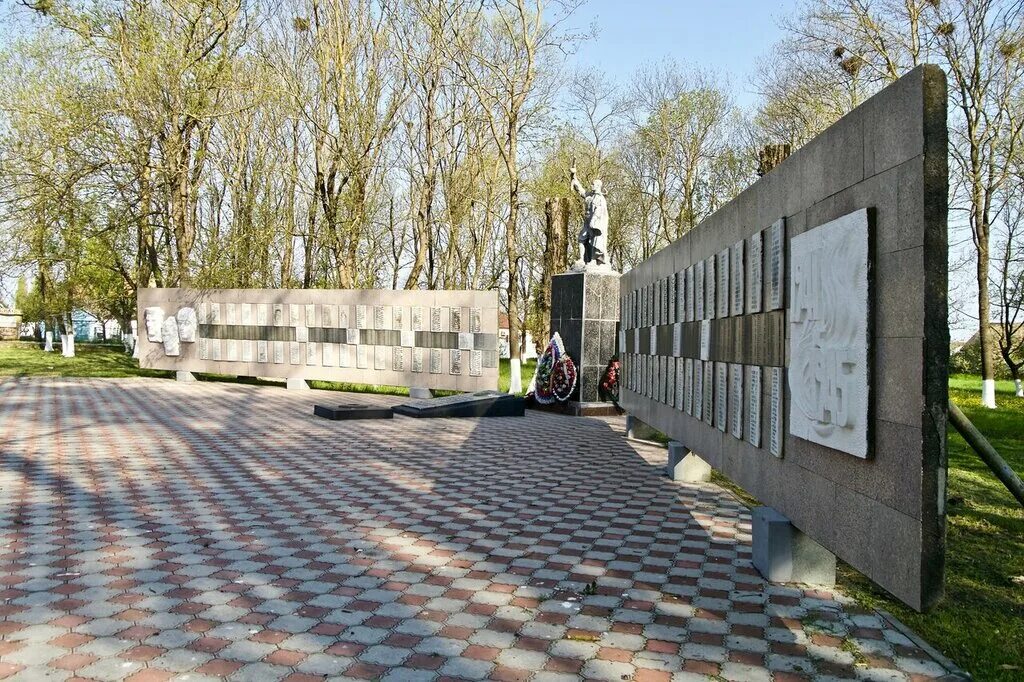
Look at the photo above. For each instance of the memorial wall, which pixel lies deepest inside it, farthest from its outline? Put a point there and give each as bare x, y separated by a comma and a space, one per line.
426, 339
797, 339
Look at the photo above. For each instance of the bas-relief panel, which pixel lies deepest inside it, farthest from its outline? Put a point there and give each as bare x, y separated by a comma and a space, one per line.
722, 396
755, 273
754, 406
724, 291
736, 400
738, 271
828, 317
776, 264
775, 412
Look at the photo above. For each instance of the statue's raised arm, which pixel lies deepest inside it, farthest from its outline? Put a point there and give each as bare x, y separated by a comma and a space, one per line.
575, 183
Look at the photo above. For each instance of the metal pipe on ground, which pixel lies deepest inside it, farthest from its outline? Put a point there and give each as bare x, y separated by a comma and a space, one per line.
987, 453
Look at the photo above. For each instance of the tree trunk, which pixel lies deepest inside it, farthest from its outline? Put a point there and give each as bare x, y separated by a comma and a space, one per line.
981, 229
514, 346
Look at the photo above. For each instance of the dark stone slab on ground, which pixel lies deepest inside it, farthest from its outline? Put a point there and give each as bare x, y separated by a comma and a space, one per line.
479, 404
352, 411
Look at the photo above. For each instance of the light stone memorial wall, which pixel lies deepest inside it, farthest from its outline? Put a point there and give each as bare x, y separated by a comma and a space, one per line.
797, 339
424, 339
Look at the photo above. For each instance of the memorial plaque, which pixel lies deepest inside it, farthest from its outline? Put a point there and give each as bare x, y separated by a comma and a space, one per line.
248, 353
204, 349
203, 313
828, 331
754, 407
665, 299
231, 350
677, 339
261, 314
215, 350
475, 320
417, 318
435, 360
435, 319
709, 393
408, 339
302, 334
776, 264
311, 315
345, 355
688, 393
417, 359
328, 354
736, 400
398, 317
722, 396
689, 294
724, 283
380, 357
698, 286
293, 315
705, 339
755, 274
278, 315
312, 354
711, 289
360, 317
343, 317
278, 352
680, 383
622, 341
659, 286
231, 313
662, 380
378, 317
215, 313
397, 359
653, 332
352, 337
247, 314
775, 413
673, 300
455, 365
455, 317
362, 356
294, 353
328, 316
738, 271
262, 355
698, 389
476, 363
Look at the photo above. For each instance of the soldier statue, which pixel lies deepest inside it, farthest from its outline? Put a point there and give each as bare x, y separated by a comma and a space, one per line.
593, 237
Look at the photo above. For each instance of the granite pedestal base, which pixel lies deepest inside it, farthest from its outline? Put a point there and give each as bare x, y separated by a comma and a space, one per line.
585, 313
783, 554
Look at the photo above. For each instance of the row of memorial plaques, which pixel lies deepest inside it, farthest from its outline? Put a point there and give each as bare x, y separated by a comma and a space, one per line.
727, 284
338, 355
339, 316
727, 396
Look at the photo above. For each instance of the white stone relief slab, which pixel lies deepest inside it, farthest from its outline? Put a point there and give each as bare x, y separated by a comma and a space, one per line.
215, 350
302, 334
754, 407
653, 332
689, 294
475, 320
360, 317
231, 353
204, 349
203, 313
294, 311
417, 318
455, 319
435, 360
344, 315
828, 317
329, 316
262, 356
688, 392
680, 383
698, 287
417, 359
710, 289
345, 355
677, 339
215, 313
398, 317
698, 389
465, 341
188, 324
724, 290
670, 375
261, 314
362, 356
776, 263
278, 315
248, 351
709, 393
755, 273
231, 313
408, 339
328, 354
435, 319
705, 339
311, 315
352, 336
736, 400
278, 352
775, 412
169, 336
378, 317
676, 304
154, 319
397, 359
455, 365
738, 269
476, 363
380, 357
294, 353
246, 314
622, 341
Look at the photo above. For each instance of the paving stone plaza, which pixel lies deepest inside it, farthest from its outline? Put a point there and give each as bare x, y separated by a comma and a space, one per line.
151, 530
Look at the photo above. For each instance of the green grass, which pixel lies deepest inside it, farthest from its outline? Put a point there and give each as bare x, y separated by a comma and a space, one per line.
979, 624
95, 360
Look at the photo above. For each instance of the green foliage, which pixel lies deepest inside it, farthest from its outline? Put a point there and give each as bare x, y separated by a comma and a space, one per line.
967, 360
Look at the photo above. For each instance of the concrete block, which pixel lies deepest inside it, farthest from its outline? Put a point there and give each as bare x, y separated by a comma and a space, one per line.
185, 377
638, 430
420, 393
783, 554
685, 466
297, 385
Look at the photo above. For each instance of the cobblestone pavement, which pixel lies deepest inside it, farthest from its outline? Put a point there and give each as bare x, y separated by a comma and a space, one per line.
152, 530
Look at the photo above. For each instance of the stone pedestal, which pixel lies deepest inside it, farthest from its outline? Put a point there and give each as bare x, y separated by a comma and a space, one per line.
296, 385
184, 377
420, 393
685, 466
585, 312
783, 554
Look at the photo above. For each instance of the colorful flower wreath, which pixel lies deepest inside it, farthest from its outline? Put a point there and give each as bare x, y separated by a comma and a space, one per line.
556, 374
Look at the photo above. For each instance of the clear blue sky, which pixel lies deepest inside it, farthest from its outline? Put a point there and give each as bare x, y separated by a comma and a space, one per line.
728, 36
